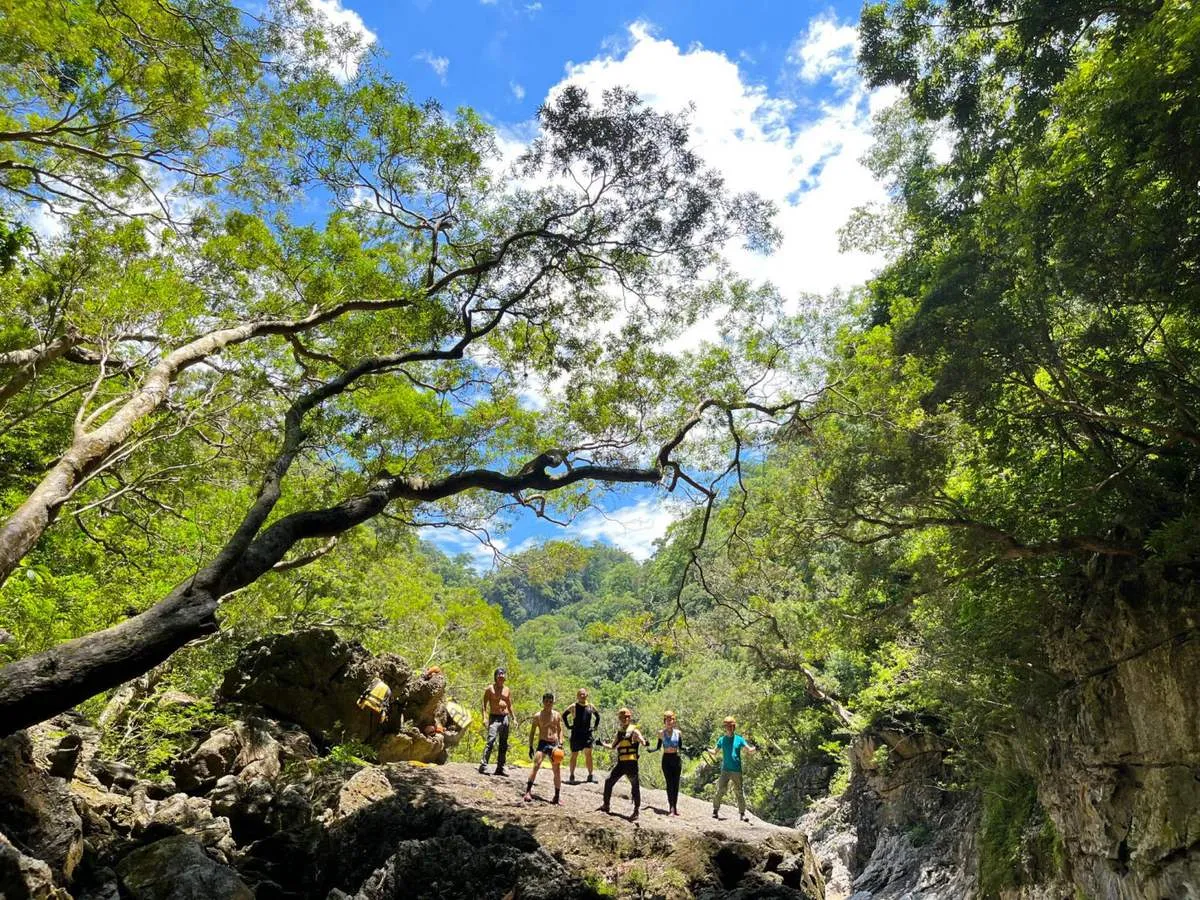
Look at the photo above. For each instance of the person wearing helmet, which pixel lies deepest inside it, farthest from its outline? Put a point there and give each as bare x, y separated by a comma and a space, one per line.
582, 719
730, 745
626, 744
670, 742
497, 710
548, 726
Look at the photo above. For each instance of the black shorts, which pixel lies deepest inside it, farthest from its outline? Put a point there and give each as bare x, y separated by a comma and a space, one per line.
581, 742
546, 747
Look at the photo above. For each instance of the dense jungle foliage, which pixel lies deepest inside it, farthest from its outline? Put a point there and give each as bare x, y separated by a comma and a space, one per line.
999, 424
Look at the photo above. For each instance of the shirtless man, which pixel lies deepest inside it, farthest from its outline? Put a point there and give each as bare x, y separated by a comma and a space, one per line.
548, 727
497, 712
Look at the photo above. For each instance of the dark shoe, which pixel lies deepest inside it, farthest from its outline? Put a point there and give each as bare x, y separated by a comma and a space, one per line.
590, 779
715, 816
499, 771
633, 818
603, 808
556, 801
482, 769
745, 818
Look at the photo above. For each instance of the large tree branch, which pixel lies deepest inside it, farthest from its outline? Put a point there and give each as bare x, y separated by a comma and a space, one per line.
1011, 547
39, 686
90, 448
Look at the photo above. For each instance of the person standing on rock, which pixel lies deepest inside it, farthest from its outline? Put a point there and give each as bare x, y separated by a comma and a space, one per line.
730, 745
583, 719
548, 726
626, 744
670, 741
497, 710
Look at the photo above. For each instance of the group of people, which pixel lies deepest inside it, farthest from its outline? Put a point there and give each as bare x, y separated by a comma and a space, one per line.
582, 721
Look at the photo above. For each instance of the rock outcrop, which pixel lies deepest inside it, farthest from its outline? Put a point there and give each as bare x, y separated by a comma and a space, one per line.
25, 878
177, 868
36, 811
253, 809
1113, 809
314, 678
897, 833
1122, 776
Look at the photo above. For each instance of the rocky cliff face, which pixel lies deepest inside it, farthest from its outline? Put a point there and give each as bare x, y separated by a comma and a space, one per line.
1122, 775
1113, 811
897, 833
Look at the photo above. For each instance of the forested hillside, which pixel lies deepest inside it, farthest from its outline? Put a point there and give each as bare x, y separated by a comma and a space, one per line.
269, 324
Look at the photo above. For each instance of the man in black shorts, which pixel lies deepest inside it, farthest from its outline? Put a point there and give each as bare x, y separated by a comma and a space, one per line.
583, 719
548, 726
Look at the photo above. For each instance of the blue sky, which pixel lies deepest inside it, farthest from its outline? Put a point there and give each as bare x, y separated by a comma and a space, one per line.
779, 109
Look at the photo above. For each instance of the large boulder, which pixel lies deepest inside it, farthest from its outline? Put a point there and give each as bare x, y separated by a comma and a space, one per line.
64, 745
181, 814
366, 786
412, 746
452, 867
314, 678
36, 811
25, 878
177, 868
251, 749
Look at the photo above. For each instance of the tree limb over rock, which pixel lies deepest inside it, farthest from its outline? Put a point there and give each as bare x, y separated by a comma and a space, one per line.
39, 686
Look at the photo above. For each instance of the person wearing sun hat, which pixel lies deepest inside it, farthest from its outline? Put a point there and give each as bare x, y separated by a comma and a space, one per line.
670, 741
730, 745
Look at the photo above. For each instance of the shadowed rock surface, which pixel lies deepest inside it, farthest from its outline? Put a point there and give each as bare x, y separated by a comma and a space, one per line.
253, 810
314, 678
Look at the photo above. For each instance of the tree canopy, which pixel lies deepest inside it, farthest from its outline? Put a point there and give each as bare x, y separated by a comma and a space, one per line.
444, 338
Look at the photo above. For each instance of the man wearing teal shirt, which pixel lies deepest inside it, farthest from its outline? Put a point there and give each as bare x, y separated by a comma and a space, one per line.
730, 746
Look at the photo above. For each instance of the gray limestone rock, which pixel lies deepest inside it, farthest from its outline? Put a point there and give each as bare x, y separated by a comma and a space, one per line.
177, 868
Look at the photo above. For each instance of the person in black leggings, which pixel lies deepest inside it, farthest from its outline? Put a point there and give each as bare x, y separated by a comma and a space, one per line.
670, 741
626, 745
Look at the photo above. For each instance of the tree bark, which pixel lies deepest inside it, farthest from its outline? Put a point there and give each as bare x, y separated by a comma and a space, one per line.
40, 686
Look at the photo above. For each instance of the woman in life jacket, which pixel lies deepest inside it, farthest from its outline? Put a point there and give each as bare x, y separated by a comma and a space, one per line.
670, 742
625, 744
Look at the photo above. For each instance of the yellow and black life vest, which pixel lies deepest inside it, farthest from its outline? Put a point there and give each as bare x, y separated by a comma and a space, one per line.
458, 714
626, 747
377, 699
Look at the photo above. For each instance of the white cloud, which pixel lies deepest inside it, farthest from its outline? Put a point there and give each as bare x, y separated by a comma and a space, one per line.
633, 528
518, 89
489, 2
439, 64
349, 36
826, 50
803, 155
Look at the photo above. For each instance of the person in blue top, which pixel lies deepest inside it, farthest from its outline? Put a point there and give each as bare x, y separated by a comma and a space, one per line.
670, 741
730, 746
